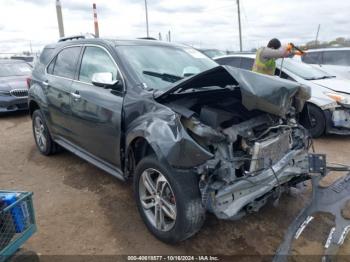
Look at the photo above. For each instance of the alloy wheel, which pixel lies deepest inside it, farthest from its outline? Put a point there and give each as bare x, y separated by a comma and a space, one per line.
40, 133
157, 199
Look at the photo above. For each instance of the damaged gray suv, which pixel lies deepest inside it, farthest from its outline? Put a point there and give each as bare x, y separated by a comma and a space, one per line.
192, 135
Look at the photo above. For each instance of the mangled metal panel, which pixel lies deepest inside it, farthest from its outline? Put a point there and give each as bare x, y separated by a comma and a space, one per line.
266, 93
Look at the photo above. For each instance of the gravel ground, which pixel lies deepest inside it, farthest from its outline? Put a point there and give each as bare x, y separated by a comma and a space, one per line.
83, 210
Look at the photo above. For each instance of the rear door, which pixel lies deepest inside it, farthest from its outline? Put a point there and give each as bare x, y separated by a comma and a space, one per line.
96, 111
58, 89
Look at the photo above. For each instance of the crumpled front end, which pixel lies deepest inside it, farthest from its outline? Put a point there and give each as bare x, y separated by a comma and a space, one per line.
248, 123
254, 160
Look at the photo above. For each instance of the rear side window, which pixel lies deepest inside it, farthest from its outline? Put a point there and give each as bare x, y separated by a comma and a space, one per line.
312, 58
46, 55
247, 63
65, 63
96, 60
231, 61
341, 58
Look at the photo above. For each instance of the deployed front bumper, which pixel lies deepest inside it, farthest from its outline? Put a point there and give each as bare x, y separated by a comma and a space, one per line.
11, 103
229, 201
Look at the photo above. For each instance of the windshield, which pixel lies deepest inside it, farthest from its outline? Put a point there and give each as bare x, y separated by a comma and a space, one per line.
14, 69
305, 71
159, 66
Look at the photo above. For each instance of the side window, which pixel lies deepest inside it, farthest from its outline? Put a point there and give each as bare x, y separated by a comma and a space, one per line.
312, 58
96, 60
46, 55
65, 62
247, 63
283, 75
336, 58
51, 65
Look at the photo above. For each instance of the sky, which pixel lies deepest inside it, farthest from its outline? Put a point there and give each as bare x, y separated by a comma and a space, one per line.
202, 24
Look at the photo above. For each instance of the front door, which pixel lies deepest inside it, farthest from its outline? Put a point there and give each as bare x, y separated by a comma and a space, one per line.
97, 111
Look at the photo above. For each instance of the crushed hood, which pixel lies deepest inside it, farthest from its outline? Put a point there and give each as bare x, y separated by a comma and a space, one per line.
266, 93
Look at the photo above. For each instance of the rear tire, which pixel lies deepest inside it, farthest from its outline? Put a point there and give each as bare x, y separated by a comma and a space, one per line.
317, 121
42, 136
177, 193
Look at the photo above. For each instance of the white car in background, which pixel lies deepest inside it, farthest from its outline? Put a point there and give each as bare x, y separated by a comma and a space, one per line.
335, 61
329, 106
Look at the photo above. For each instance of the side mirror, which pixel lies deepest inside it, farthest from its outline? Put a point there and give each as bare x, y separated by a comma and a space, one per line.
105, 80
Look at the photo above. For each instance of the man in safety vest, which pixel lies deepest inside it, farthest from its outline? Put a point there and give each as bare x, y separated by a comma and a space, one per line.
265, 61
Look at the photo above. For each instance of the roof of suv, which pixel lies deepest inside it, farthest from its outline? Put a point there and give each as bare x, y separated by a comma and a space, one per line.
115, 42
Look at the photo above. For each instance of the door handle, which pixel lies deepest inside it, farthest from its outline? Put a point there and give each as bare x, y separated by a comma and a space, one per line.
45, 83
76, 96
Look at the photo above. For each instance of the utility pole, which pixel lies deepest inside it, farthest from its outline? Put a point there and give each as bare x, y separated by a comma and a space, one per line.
318, 31
97, 31
146, 18
59, 18
239, 27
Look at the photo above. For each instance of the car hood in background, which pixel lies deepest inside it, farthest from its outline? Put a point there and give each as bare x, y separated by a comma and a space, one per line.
337, 85
266, 93
13, 82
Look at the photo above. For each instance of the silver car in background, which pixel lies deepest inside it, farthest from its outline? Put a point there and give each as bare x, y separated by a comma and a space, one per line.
335, 61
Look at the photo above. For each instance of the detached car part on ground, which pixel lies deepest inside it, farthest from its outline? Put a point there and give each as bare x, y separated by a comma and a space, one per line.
14, 77
329, 106
193, 136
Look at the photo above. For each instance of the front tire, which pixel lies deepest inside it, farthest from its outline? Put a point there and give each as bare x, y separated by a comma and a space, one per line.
169, 202
317, 121
42, 136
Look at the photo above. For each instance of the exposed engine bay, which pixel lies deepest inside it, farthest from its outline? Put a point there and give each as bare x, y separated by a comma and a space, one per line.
256, 154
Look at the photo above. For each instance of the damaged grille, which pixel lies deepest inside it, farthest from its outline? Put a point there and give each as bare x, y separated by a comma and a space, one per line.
19, 92
270, 151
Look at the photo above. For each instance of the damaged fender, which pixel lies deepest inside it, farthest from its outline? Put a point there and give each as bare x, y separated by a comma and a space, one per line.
163, 131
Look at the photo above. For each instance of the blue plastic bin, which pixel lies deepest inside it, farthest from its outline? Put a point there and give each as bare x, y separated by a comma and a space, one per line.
17, 221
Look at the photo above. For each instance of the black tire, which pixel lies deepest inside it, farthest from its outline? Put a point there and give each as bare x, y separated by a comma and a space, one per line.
317, 121
190, 214
50, 147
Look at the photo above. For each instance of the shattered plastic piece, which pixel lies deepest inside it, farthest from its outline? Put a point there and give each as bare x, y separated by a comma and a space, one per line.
344, 235
303, 226
329, 200
329, 238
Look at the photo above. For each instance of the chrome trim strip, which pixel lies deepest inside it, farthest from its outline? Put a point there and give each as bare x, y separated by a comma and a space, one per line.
85, 45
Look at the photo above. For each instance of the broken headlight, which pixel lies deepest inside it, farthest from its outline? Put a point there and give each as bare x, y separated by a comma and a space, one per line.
339, 98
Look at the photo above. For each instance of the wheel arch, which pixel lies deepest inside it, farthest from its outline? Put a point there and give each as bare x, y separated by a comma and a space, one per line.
137, 149
32, 107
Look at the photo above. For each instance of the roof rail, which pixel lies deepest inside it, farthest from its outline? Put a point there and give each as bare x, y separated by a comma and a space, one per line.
147, 38
76, 37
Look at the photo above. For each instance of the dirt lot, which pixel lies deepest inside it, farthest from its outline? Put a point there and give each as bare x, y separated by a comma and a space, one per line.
83, 210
